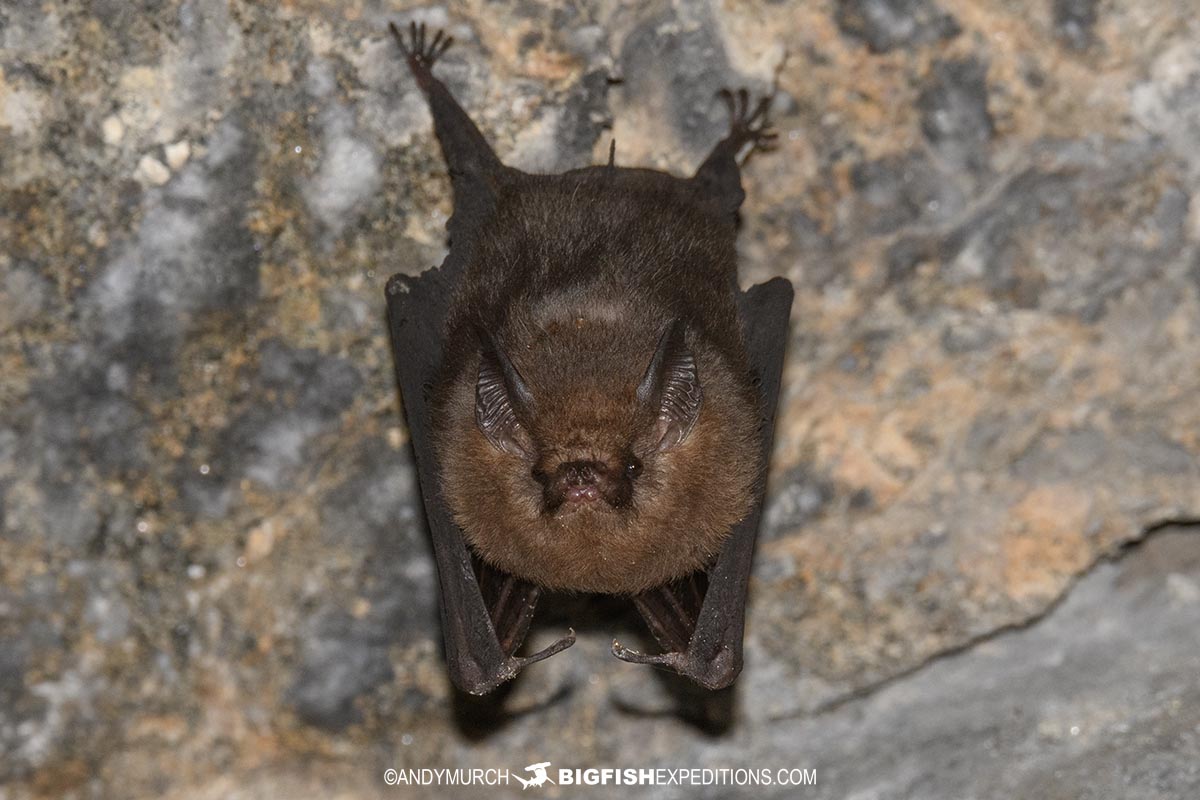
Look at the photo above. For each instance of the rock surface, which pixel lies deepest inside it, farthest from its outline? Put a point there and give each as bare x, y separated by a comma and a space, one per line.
214, 580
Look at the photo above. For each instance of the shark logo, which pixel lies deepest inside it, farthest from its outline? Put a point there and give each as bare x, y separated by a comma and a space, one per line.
540, 778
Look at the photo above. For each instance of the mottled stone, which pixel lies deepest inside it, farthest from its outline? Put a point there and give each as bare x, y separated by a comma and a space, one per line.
583, 116
1074, 21
898, 190
334, 669
954, 112
887, 24
1168, 102
671, 68
800, 498
302, 395
23, 297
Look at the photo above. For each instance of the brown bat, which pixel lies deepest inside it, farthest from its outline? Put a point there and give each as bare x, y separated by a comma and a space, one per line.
589, 396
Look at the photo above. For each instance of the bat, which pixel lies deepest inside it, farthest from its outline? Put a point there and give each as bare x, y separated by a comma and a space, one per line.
590, 398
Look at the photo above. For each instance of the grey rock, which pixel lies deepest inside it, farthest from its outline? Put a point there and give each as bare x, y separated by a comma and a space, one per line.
888, 24
81, 415
374, 512
348, 172
965, 336
204, 495
192, 254
676, 64
1093, 711
1168, 101
906, 254
1074, 20
584, 115
13, 662
1097, 694
373, 504
800, 498
24, 294
305, 381
954, 112
301, 393
994, 243
370, 514
1079, 452
899, 190
334, 671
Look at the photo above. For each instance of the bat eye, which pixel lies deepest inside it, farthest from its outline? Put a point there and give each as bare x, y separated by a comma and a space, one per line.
633, 467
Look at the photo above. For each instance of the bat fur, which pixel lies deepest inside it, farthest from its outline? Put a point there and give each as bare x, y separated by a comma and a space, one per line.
575, 278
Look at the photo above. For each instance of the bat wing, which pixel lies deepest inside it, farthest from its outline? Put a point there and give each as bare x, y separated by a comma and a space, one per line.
476, 173
485, 613
700, 619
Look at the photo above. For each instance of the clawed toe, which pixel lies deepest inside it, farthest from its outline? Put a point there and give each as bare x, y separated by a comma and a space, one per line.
672, 660
416, 48
749, 124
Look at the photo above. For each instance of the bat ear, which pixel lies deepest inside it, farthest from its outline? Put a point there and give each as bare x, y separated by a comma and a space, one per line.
501, 398
672, 386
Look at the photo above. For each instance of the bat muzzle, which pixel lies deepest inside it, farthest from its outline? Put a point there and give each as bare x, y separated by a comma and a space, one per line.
582, 485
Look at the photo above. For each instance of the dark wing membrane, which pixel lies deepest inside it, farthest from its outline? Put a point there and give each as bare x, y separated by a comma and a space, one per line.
711, 653
478, 660
475, 171
510, 602
671, 611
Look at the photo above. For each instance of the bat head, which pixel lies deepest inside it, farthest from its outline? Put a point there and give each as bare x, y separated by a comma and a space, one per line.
585, 453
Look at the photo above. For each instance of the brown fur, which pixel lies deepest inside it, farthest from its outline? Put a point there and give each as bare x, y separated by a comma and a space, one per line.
575, 278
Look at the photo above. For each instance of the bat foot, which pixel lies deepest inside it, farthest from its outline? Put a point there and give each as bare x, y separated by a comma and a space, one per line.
486, 679
716, 673
749, 124
543, 654
421, 55
672, 660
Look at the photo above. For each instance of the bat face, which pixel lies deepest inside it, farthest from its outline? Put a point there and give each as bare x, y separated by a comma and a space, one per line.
593, 441
592, 492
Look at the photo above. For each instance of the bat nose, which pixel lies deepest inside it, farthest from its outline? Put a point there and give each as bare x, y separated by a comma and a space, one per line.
580, 479
581, 473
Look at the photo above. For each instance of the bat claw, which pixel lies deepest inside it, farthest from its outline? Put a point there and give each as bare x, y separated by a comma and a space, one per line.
746, 124
421, 55
672, 660
543, 654
718, 674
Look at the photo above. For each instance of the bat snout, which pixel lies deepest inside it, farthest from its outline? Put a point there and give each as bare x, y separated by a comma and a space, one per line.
580, 484
581, 474
577, 494
581, 481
